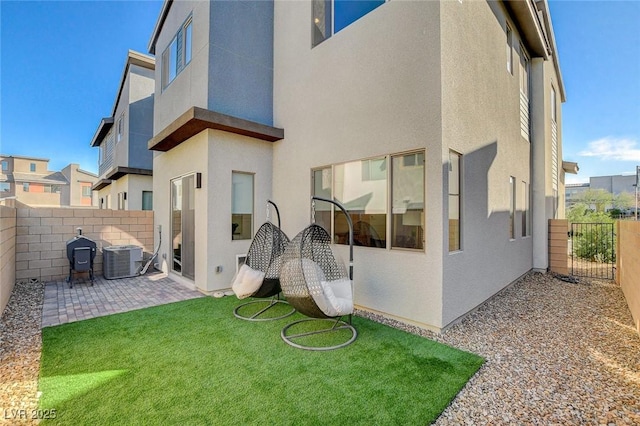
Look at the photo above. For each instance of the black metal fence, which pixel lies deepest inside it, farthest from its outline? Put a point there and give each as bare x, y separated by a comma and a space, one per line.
593, 250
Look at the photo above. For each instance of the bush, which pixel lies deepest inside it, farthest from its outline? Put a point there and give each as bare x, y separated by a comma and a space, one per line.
595, 243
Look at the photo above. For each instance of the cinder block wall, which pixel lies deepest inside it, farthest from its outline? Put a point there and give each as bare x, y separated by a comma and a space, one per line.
7, 254
42, 233
628, 265
559, 246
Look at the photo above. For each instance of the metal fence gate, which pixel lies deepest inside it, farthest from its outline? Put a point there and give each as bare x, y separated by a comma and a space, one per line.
593, 250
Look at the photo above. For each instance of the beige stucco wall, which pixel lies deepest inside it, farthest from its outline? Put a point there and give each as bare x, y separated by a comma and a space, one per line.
628, 266
42, 233
481, 120
7, 254
216, 155
133, 185
369, 90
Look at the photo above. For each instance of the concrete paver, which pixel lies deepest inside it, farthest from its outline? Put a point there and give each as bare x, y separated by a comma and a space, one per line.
63, 304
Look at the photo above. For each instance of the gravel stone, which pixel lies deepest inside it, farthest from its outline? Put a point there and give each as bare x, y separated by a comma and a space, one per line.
556, 353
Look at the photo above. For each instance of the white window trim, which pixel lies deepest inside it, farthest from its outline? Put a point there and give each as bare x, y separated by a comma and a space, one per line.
182, 62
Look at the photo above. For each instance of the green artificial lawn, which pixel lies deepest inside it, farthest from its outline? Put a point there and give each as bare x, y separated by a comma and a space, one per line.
193, 362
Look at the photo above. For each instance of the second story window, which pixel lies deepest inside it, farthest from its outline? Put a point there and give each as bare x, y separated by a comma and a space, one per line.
32, 167
331, 16
120, 129
5, 166
178, 54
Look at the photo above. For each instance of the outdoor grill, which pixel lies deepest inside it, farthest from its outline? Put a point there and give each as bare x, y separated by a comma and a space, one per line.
81, 251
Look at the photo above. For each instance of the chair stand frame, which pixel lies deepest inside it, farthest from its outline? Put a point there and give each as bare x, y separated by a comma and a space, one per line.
270, 303
337, 324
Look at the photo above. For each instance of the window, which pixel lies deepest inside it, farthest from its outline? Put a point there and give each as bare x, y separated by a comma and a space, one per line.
363, 188
509, 50
5, 166
86, 191
122, 200
120, 129
322, 184
178, 54
525, 210
454, 201
147, 200
366, 201
512, 207
32, 167
241, 206
407, 209
331, 16
5, 187
25, 187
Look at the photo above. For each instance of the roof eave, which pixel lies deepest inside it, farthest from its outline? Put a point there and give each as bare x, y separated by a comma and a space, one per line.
159, 23
196, 119
101, 131
526, 16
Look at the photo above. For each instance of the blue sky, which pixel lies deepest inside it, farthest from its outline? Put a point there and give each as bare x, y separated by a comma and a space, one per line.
61, 64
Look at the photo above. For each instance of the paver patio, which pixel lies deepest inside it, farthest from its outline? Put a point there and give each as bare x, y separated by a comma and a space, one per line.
63, 304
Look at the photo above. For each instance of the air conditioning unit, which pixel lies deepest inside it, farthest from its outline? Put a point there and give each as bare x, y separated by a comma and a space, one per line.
121, 261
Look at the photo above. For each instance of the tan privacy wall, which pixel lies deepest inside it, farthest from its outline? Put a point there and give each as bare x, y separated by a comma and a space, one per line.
559, 246
628, 265
7, 254
42, 233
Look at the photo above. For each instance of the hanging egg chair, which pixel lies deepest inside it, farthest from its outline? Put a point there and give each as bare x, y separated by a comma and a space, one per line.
259, 276
318, 285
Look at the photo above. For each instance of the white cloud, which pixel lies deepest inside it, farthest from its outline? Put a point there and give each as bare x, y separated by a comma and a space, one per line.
610, 148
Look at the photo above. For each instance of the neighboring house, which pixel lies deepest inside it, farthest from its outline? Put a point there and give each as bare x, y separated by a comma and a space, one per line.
29, 181
438, 124
125, 164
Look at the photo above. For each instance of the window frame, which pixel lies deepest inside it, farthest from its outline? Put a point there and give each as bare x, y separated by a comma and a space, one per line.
509, 48
316, 172
25, 186
32, 167
512, 208
458, 194
183, 42
120, 128
327, 11
244, 236
5, 165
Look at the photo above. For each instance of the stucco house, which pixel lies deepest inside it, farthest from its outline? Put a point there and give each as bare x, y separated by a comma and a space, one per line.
438, 124
125, 164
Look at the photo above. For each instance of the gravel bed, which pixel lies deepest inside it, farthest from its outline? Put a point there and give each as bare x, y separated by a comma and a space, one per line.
557, 353
20, 348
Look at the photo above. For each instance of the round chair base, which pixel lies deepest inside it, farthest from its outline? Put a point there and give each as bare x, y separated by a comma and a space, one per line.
259, 315
336, 325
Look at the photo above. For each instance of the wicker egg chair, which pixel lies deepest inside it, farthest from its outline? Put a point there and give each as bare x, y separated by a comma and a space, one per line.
318, 286
264, 261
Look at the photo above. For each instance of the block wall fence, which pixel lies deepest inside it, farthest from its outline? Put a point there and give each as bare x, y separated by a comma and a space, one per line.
628, 265
7, 254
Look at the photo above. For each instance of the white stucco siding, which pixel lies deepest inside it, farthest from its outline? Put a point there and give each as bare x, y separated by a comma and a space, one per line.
215, 154
189, 88
481, 120
230, 153
369, 90
187, 158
